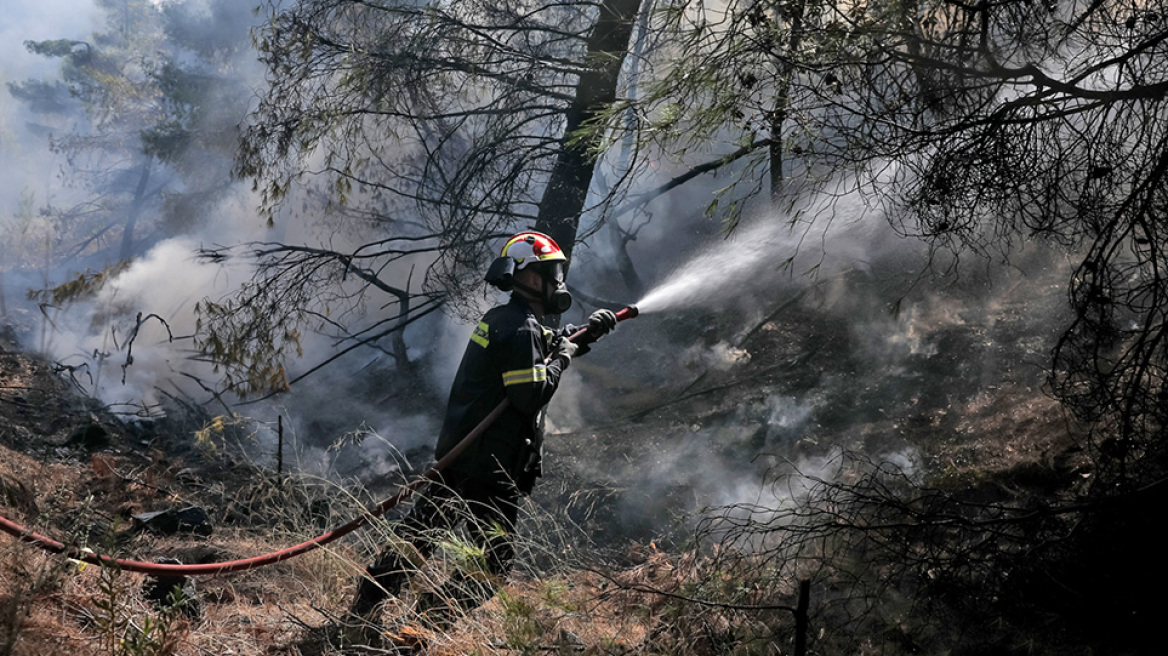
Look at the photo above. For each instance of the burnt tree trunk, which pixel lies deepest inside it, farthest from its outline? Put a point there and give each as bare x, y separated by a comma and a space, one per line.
127, 250
567, 189
801, 620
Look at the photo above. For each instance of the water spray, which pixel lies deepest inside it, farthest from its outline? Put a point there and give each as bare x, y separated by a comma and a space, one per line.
754, 259
704, 279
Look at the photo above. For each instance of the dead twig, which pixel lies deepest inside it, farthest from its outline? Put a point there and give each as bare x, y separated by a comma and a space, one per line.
139, 320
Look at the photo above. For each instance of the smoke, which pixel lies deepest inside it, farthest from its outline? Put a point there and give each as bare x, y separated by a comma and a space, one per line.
127, 337
797, 338
719, 357
844, 277
134, 360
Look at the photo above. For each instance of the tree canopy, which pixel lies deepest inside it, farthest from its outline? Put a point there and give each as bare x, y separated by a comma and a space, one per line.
423, 133
1016, 121
143, 115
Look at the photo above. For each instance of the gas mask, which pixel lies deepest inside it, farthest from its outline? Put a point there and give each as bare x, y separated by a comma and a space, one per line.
555, 296
556, 299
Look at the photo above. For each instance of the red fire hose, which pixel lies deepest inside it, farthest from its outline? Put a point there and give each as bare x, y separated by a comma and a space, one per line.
581, 336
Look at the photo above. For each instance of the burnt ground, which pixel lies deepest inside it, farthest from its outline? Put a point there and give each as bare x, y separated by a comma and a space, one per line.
74, 471
950, 389
673, 414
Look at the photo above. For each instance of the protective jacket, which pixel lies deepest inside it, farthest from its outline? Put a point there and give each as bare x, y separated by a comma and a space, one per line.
506, 358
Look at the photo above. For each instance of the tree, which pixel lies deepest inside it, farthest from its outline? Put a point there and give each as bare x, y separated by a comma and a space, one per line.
571, 176
431, 131
729, 89
1012, 121
750, 57
152, 128
144, 116
980, 127
106, 81
471, 114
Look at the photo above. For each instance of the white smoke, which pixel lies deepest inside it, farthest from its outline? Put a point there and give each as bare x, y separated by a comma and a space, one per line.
92, 335
163, 286
719, 357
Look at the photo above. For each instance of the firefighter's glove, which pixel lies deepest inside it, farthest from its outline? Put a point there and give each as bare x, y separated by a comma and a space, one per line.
565, 349
601, 322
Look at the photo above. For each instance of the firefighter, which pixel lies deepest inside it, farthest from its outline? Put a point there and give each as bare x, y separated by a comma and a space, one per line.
512, 356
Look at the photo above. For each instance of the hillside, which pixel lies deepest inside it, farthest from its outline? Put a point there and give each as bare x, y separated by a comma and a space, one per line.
898, 383
668, 519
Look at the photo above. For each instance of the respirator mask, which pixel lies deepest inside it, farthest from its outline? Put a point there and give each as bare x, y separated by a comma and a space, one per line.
556, 299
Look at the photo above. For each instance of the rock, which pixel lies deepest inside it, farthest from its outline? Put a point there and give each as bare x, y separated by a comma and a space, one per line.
173, 592
568, 643
192, 519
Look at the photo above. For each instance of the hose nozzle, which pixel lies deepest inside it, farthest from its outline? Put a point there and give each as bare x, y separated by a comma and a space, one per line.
627, 313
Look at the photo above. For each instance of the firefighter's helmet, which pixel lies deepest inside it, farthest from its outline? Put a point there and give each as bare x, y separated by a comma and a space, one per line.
528, 249
531, 247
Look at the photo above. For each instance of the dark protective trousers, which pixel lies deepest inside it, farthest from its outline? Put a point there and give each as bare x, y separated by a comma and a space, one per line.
489, 513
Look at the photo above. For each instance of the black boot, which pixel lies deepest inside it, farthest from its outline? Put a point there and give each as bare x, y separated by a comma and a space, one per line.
377, 585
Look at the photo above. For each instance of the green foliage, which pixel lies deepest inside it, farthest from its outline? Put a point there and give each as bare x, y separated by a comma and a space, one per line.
123, 627
124, 632
466, 556
43, 97
84, 286
248, 342
523, 623
55, 47
554, 594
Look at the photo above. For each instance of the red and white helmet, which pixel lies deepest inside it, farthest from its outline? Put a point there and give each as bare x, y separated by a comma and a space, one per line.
532, 247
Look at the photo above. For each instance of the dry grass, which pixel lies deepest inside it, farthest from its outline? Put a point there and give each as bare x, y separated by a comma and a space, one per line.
565, 600
51, 605
48, 604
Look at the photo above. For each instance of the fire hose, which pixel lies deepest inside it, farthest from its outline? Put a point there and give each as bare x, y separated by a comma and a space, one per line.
582, 337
